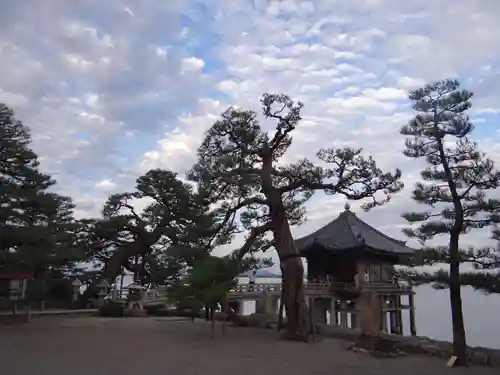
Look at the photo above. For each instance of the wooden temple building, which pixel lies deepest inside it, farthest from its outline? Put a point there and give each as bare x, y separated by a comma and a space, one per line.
351, 257
349, 264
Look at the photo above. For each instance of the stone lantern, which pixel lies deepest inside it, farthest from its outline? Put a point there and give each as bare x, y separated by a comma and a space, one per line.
76, 284
135, 298
103, 292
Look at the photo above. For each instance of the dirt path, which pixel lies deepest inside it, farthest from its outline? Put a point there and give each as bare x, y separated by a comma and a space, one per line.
102, 346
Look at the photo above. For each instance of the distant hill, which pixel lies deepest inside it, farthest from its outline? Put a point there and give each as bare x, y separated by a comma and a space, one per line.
261, 273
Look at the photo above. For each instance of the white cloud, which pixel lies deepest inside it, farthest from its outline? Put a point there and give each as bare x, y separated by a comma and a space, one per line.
386, 93
227, 85
129, 12
409, 83
92, 77
105, 185
192, 64
177, 149
14, 99
358, 103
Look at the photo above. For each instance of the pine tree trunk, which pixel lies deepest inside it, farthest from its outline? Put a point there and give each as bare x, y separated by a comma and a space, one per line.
297, 316
224, 322
457, 317
212, 324
280, 312
207, 313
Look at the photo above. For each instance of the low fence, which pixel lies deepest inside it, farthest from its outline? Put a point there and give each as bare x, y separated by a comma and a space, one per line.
319, 288
148, 296
159, 295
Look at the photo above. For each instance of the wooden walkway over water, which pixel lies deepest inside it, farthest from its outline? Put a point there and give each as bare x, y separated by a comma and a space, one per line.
317, 289
255, 291
336, 299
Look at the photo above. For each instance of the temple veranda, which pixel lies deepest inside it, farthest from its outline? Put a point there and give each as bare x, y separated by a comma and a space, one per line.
351, 278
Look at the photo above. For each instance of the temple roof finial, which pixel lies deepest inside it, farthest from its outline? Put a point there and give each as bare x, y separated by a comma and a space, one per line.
347, 206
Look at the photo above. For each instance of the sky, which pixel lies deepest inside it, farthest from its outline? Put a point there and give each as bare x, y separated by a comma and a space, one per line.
114, 88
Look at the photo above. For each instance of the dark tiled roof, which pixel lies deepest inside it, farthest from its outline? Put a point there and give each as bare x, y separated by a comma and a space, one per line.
347, 231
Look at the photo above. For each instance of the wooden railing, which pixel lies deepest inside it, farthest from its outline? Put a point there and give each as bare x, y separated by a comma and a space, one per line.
317, 288
256, 288
159, 295
148, 296
380, 286
275, 289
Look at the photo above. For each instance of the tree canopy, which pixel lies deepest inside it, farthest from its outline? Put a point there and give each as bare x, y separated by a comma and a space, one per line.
174, 227
239, 167
37, 225
210, 278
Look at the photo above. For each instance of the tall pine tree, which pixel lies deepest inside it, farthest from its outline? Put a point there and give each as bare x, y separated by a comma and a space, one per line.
36, 225
455, 186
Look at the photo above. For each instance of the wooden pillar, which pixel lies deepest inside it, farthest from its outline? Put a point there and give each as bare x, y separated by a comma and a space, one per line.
353, 320
392, 317
413, 326
266, 304
343, 314
399, 316
273, 305
333, 313
383, 314
319, 309
260, 305
359, 277
395, 317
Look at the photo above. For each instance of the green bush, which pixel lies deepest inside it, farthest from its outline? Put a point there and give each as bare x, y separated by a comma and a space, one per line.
179, 313
153, 309
111, 309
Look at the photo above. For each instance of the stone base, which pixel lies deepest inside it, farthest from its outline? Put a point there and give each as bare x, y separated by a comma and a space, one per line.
352, 346
375, 346
421, 345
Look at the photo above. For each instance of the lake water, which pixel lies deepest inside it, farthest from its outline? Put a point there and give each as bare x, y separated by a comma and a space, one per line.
433, 316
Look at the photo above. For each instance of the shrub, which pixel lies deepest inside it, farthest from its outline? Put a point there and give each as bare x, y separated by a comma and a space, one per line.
111, 309
153, 309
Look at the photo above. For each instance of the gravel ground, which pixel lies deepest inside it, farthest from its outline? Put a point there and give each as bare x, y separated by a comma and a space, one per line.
109, 346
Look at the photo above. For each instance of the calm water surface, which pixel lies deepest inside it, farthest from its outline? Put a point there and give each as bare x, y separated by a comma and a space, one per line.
481, 312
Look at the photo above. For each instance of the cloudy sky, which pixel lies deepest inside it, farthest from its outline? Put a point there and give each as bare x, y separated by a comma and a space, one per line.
113, 88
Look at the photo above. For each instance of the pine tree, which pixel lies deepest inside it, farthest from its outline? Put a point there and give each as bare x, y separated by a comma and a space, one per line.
36, 225
210, 279
238, 163
157, 243
455, 186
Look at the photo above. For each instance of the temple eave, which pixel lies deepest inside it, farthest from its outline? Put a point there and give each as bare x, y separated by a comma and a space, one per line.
304, 251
